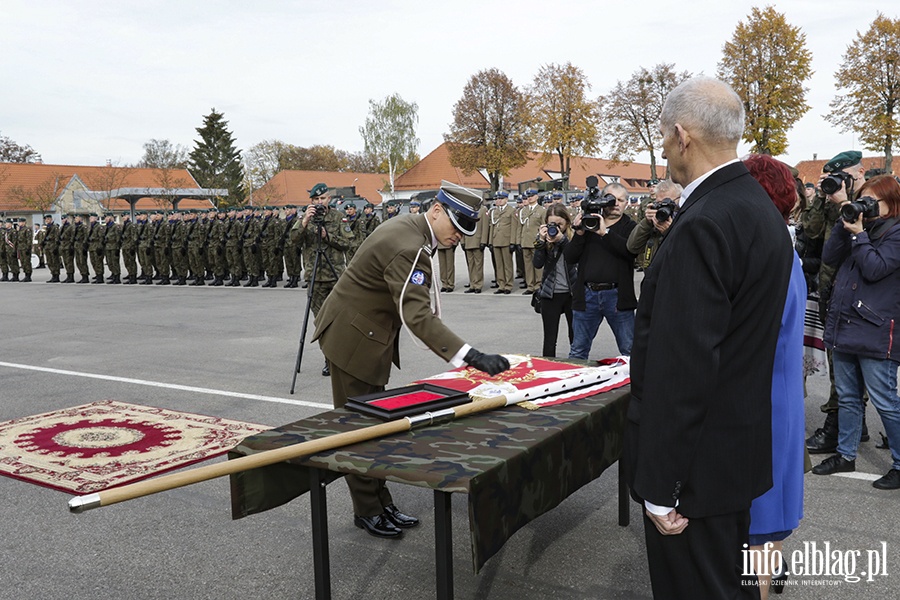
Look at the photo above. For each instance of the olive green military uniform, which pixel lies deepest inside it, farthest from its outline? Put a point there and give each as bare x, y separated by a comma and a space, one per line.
6, 245
447, 263
269, 238
96, 234
530, 220
474, 246
334, 244
359, 324
146, 230
501, 238
357, 226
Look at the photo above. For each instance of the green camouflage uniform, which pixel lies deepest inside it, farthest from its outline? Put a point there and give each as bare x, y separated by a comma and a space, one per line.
292, 262
67, 248
129, 239
112, 243
96, 234
79, 242
162, 247
234, 239
251, 251
50, 248
335, 243
179, 241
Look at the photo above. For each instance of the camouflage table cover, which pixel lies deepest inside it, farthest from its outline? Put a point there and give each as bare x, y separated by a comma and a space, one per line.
513, 463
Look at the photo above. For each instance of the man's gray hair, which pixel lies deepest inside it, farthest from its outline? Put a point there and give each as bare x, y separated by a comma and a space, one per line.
708, 106
613, 187
668, 189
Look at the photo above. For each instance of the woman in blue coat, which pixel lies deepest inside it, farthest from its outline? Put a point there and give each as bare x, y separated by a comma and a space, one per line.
775, 514
862, 318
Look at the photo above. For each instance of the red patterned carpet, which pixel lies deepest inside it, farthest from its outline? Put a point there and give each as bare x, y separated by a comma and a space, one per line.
100, 445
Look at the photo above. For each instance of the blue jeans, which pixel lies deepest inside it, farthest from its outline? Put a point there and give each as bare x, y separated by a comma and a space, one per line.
598, 305
879, 376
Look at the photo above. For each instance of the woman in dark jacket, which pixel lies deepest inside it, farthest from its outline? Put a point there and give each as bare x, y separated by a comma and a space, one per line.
558, 276
860, 329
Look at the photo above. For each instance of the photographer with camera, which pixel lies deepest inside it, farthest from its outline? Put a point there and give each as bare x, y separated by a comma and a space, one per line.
605, 285
321, 229
649, 232
841, 177
865, 248
558, 277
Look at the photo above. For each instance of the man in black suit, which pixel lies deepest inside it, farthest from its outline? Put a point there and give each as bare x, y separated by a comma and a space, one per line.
698, 439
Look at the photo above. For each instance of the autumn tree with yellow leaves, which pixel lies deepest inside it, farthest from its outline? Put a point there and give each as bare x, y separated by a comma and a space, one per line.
564, 121
870, 76
767, 62
489, 128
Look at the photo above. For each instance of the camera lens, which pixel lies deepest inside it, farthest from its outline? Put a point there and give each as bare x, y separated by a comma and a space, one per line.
552, 230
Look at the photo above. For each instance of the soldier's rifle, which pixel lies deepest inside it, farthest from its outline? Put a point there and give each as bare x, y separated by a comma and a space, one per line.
587, 378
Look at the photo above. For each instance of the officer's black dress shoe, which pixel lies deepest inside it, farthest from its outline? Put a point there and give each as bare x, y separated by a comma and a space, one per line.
507, 291
379, 526
499, 292
891, 481
398, 518
834, 464
494, 285
471, 291
326, 372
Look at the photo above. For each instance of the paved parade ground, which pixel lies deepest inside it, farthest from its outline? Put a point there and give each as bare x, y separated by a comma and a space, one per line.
229, 352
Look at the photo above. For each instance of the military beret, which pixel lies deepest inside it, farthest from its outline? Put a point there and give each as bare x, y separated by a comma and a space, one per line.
369, 205
349, 205
318, 190
22, 219
842, 161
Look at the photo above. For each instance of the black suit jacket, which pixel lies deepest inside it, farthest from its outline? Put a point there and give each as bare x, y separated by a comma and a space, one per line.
699, 422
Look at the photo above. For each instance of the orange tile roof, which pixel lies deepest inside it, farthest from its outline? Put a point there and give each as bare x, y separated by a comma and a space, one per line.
428, 173
810, 170
119, 205
292, 187
31, 175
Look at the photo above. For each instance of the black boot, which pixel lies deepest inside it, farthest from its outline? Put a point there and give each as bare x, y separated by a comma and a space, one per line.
148, 280
825, 439
15, 277
98, 279
199, 281
70, 278
326, 372
253, 282
84, 279
116, 279
217, 282
181, 281
27, 278
54, 279
163, 281
5, 277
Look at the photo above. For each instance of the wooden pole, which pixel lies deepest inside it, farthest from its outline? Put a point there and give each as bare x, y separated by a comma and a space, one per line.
172, 481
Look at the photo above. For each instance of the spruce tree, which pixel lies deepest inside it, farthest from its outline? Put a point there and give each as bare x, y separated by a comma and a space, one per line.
215, 162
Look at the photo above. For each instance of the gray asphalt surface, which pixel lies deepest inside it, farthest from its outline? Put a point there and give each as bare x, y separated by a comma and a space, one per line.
183, 544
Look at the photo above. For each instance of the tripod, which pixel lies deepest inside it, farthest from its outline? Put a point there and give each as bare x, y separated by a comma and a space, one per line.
320, 254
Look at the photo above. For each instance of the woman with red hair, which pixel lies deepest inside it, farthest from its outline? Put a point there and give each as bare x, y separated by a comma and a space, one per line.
775, 514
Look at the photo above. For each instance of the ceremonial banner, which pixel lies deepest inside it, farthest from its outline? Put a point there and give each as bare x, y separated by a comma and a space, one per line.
525, 373
100, 445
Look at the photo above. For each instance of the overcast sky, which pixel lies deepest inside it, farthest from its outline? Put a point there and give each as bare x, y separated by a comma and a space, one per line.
88, 81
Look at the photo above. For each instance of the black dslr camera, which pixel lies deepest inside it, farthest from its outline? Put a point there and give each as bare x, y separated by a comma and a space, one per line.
319, 215
665, 208
593, 204
835, 182
552, 230
867, 206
